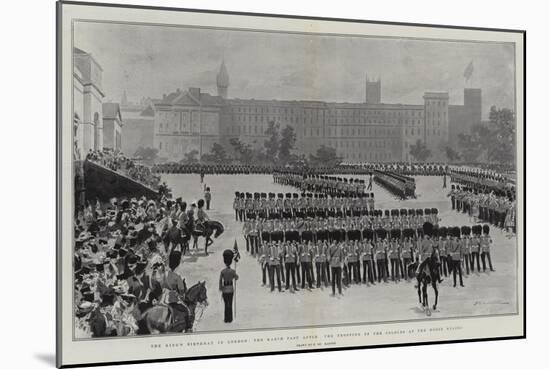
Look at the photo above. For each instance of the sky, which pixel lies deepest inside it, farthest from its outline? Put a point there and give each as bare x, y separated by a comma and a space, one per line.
148, 61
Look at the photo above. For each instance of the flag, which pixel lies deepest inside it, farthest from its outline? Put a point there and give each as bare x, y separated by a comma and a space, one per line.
236, 254
469, 70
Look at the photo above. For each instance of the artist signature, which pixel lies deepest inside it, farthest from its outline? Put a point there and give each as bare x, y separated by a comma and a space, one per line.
491, 303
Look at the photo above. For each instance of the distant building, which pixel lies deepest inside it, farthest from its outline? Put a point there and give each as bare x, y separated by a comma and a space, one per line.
88, 103
139, 124
112, 126
463, 117
360, 132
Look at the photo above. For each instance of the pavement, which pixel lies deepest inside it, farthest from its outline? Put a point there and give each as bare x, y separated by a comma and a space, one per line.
257, 308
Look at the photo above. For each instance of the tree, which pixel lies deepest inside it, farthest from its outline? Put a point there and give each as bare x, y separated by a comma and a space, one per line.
325, 156
452, 154
217, 154
471, 148
272, 143
244, 151
502, 129
146, 153
190, 157
288, 139
420, 151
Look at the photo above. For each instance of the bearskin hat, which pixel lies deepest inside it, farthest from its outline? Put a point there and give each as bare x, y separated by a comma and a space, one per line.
288, 195
200, 203
465, 230
310, 195
408, 232
386, 212
280, 195
428, 228
372, 194
174, 259
263, 195
381, 233
295, 195
248, 195
486, 229
303, 194
476, 230
227, 257
256, 195
369, 234
411, 211
395, 233
242, 195
237, 194
427, 211
442, 232
419, 212
403, 212
394, 212
435, 211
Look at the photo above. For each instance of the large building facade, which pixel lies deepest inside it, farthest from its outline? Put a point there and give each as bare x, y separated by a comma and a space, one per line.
87, 103
359, 132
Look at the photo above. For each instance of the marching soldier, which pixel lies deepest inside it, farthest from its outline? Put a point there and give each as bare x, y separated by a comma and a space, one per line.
380, 255
395, 250
291, 258
486, 242
465, 247
306, 260
274, 267
319, 252
456, 255
336, 259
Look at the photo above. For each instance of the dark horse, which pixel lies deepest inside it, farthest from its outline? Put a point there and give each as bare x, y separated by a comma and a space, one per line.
206, 230
428, 274
175, 318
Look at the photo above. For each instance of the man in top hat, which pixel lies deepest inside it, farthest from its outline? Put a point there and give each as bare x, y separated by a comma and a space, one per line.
227, 278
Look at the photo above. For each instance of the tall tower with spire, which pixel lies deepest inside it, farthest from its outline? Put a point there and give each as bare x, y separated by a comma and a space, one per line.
373, 90
222, 81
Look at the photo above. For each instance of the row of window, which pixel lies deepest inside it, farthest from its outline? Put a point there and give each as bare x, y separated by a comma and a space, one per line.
350, 112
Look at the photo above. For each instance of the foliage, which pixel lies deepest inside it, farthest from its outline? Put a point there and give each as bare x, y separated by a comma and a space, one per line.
503, 136
146, 153
496, 140
419, 151
272, 143
217, 154
452, 154
288, 139
190, 157
325, 156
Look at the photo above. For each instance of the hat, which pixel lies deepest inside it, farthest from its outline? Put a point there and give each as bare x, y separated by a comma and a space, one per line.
476, 229
442, 231
395, 233
381, 233
428, 228
227, 257
486, 229
408, 232
465, 230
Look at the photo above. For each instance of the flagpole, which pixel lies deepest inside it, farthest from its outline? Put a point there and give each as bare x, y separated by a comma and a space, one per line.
235, 294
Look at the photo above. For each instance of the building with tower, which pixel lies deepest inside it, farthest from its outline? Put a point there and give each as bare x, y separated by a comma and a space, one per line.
373, 90
187, 120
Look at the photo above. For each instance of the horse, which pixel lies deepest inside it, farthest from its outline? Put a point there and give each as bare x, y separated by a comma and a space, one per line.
206, 230
175, 317
428, 274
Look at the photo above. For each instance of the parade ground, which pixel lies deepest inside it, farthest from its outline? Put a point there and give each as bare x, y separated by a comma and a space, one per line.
491, 293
